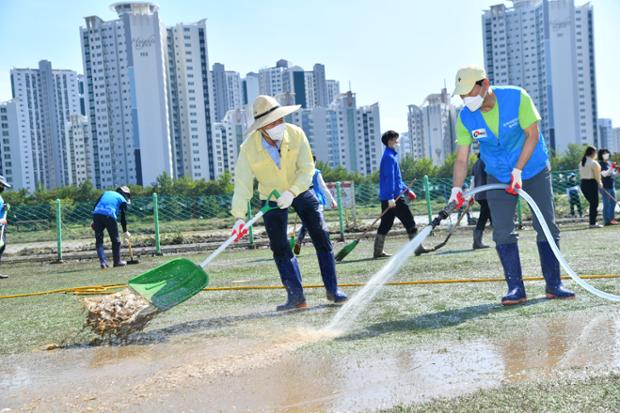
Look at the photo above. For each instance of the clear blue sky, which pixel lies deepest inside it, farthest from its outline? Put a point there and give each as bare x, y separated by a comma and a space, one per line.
394, 52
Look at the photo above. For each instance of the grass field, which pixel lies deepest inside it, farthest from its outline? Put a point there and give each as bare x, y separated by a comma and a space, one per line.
445, 347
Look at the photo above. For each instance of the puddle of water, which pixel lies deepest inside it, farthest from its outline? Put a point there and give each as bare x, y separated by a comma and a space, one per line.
271, 371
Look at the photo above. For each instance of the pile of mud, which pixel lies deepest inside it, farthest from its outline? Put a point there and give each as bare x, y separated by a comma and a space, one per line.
119, 314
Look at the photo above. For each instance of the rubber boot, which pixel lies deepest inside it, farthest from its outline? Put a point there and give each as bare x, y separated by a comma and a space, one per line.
327, 264
420, 250
291, 280
103, 260
116, 255
509, 257
478, 244
551, 271
379, 243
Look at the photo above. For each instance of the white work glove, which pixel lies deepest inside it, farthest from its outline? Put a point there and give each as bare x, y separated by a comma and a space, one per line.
127, 235
457, 197
239, 229
285, 200
515, 182
391, 203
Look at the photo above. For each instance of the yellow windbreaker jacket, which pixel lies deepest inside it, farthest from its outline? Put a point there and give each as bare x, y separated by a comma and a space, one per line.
295, 172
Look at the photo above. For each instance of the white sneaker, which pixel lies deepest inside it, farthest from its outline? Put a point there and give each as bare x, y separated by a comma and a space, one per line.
3, 277
596, 226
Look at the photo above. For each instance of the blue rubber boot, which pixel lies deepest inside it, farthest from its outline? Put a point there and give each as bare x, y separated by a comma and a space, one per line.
551, 271
103, 260
291, 279
327, 264
509, 256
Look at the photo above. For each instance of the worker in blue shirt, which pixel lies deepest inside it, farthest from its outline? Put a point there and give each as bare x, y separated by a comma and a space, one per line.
391, 185
3, 211
111, 206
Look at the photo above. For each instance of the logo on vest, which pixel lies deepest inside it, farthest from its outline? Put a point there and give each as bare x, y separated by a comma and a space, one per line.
511, 123
479, 134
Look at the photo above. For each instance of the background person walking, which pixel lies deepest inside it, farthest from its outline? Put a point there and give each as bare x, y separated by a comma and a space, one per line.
3, 219
590, 173
608, 177
480, 179
391, 185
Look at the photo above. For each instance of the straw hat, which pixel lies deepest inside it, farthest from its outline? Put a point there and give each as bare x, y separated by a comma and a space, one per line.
4, 182
267, 110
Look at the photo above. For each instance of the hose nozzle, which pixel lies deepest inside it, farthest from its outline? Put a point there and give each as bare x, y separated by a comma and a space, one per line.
443, 214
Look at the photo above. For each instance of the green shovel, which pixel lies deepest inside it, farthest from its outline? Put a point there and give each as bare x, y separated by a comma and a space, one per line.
180, 279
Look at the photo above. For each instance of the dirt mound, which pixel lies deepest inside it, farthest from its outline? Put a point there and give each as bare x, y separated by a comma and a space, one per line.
119, 314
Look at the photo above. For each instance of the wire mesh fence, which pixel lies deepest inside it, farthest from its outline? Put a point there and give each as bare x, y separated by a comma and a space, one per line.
161, 220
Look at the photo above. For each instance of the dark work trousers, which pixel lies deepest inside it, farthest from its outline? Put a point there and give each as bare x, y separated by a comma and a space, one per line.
589, 187
276, 224
504, 205
4, 245
485, 215
400, 211
104, 222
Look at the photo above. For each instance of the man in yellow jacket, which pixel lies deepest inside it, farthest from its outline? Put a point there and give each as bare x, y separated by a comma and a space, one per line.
278, 156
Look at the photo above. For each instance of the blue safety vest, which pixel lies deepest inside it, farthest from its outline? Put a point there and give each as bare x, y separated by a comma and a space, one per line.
317, 188
110, 204
500, 153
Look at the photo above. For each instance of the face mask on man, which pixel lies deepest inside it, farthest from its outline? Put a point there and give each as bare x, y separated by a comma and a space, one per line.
277, 132
605, 156
474, 103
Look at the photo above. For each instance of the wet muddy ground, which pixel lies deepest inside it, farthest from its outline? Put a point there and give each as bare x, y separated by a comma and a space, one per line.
229, 351
291, 370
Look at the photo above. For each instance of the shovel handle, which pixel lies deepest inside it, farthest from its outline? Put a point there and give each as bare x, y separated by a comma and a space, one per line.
266, 208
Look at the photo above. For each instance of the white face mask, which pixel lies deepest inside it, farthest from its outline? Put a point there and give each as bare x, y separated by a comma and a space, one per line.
277, 132
474, 103
605, 156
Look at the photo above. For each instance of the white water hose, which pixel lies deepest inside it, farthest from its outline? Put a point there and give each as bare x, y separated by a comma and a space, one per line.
550, 240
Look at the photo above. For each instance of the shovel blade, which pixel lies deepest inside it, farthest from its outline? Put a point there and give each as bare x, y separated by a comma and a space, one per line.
346, 250
170, 283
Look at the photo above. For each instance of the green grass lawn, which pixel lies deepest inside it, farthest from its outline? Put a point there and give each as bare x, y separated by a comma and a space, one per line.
399, 319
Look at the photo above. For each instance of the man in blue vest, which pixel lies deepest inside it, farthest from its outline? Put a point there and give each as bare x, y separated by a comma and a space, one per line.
111, 206
504, 121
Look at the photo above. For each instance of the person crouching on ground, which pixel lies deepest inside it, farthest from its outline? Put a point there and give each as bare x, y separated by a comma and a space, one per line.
111, 206
323, 194
277, 155
4, 208
504, 121
391, 186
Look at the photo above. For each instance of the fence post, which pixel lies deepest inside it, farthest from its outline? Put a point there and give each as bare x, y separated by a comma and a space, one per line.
59, 229
156, 222
519, 212
427, 194
340, 210
250, 230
